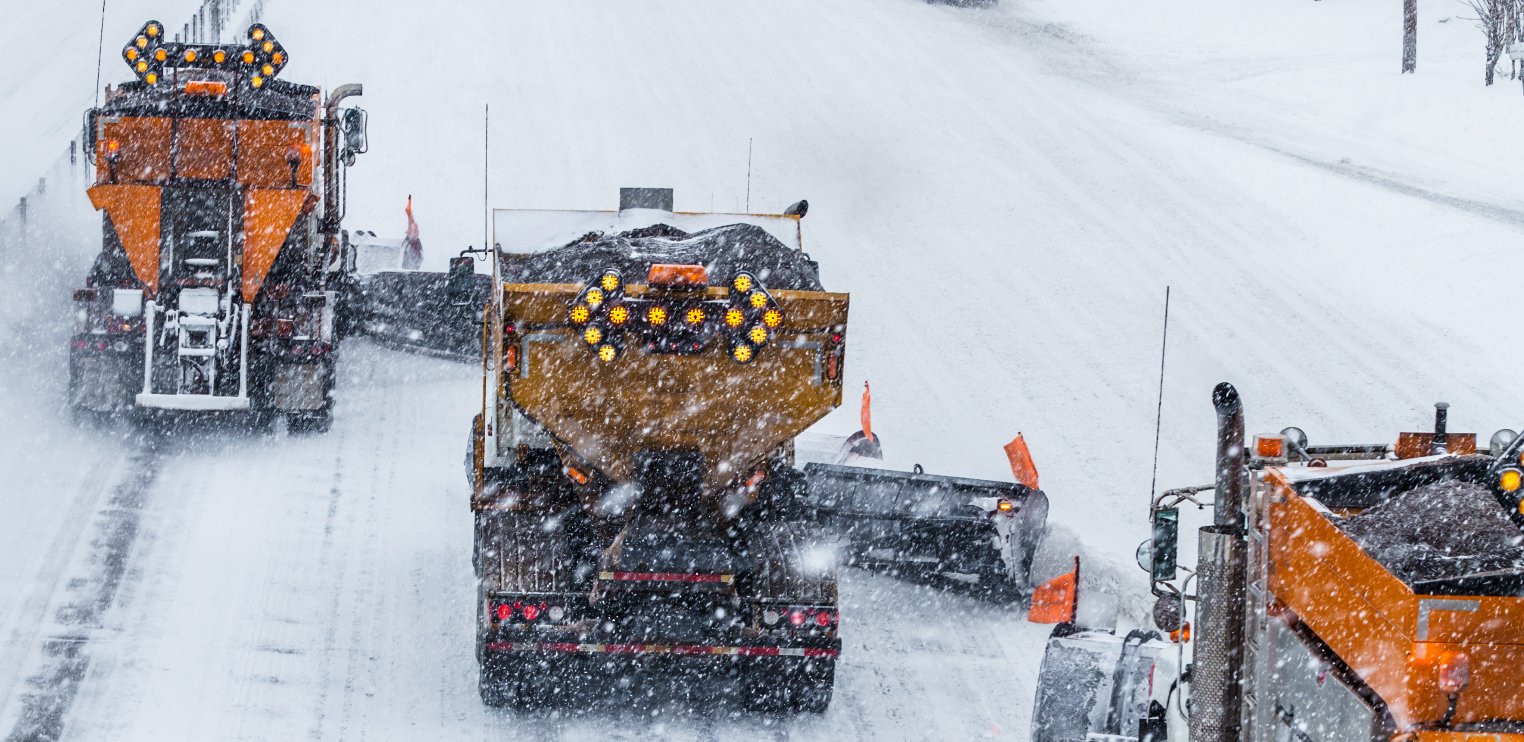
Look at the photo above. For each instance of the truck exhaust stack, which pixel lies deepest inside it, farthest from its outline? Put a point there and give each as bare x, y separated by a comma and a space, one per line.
1217, 689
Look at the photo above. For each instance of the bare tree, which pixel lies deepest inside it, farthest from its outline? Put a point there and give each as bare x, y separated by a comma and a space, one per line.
1497, 20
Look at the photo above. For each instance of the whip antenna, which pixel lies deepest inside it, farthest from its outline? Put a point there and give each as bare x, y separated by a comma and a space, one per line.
1153, 485
100, 50
486, 169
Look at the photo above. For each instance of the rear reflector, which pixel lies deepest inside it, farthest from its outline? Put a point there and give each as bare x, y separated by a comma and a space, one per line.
667, 274
664, 577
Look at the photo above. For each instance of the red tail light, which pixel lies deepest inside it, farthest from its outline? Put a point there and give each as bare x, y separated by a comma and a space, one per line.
825, 618
796, 617
531, 612
504, 612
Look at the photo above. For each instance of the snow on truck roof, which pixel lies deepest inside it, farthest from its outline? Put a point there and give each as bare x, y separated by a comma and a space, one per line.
533, 231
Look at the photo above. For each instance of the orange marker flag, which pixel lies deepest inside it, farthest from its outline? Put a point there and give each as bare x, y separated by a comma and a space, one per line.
1056, 600
867, 412
1022, 466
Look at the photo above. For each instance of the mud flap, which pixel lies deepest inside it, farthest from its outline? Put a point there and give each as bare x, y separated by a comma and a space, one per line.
298, 387
1094, 685
99, 384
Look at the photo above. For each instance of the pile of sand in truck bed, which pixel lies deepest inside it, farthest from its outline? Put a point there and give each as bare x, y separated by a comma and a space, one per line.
1441, 531
723, 251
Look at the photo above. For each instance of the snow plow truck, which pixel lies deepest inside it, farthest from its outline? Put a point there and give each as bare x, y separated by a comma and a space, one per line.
214, 290
638, 510
1344, 593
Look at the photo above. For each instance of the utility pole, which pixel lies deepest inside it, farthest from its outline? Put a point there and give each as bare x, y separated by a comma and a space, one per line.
1409, 35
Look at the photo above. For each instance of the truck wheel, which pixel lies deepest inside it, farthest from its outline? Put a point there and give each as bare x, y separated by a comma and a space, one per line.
997, 587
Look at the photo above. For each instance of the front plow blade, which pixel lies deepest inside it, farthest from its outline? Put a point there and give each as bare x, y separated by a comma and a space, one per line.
921, 524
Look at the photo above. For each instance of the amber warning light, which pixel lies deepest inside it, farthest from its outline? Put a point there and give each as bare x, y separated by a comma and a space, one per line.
663, 274
150, 56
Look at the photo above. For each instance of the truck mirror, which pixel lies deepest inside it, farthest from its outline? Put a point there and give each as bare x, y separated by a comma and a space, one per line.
1169, 612
460, 285
1163, 562
355, 139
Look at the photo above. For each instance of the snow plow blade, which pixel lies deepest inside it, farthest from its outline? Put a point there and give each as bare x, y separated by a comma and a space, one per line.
974, 531
412, 311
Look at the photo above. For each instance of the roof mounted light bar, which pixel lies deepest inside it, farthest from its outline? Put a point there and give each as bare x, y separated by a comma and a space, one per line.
257, 61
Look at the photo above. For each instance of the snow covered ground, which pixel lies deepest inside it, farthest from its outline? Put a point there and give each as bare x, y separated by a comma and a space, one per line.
1006, 192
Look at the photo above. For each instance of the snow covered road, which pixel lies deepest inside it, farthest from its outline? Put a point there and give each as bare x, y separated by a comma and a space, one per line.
332, 598
1006, 227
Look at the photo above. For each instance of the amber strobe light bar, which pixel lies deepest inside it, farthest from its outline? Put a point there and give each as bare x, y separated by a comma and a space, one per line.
675, 323
257, 61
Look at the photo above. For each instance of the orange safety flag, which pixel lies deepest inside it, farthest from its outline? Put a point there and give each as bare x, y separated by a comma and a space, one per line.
1022, 466
1056, 600
867, 412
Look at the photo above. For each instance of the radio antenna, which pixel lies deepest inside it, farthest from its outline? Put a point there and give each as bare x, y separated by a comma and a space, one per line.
100, 51
1153, 485
486, 169
748, 175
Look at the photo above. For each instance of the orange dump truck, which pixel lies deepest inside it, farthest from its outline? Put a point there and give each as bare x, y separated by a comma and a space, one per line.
219, 186
1344, 593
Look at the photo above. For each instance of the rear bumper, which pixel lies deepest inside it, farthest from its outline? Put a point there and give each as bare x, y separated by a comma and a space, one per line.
1456, 735
192, 402
829, 650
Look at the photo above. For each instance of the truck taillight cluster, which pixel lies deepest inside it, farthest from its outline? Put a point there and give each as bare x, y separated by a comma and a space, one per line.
301, 350
799, 617
675, 321
87, 344
528, 612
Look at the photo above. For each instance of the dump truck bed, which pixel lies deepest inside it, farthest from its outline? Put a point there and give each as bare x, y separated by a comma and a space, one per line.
1350, 554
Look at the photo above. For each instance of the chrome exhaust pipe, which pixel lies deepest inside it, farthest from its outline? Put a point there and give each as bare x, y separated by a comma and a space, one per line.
1217, 685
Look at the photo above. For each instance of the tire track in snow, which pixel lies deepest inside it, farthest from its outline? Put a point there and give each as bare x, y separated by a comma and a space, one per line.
64, 659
